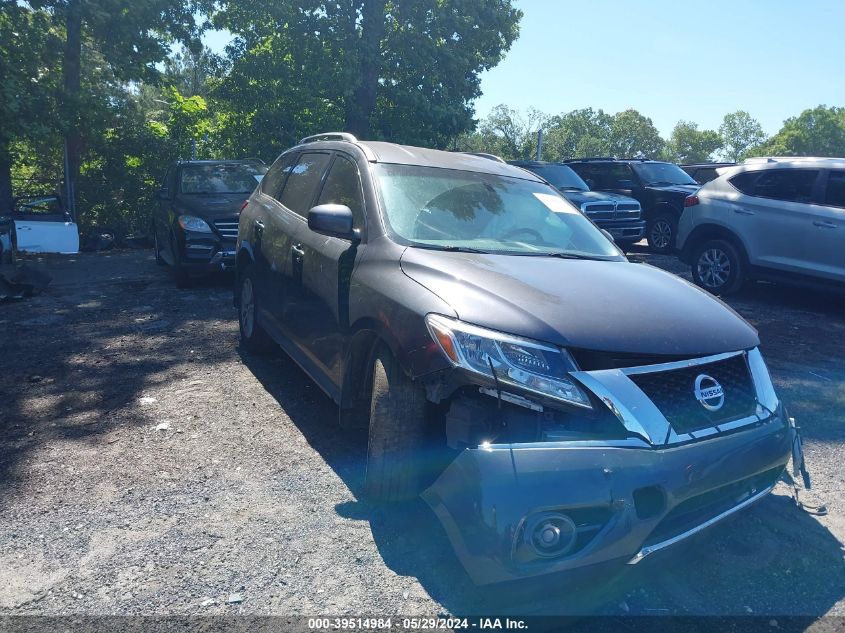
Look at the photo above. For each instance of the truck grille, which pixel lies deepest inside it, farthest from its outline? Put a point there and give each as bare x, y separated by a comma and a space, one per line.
227, 228
612, 210
674, 393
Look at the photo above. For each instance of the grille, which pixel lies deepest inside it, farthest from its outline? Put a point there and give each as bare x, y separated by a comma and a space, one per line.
600, 211
701, 508
627, 206
673, 392
227, 228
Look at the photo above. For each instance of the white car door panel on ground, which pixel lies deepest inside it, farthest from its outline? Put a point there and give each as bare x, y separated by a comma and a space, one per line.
42, 226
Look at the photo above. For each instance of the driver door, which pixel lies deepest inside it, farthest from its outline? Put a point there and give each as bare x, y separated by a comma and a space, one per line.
43, 226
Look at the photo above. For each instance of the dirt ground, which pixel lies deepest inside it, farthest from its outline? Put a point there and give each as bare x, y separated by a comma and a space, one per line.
148, 466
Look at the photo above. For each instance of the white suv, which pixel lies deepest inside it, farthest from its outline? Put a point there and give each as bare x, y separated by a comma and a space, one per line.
770, 218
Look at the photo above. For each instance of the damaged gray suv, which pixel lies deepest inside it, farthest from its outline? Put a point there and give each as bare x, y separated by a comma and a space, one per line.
554, 404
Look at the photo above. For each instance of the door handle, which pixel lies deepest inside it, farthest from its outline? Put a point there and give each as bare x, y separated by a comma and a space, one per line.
825, 225
741, 211
259, 226
23, 228
297, 249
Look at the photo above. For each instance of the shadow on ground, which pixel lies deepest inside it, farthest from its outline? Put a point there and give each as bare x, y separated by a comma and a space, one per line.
773, 559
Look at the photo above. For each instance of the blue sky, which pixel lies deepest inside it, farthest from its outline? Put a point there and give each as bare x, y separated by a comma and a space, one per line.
670, 59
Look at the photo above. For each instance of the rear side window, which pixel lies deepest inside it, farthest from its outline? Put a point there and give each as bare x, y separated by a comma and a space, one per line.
835, 194
791, 185
705, 175
343, 186
273, 181
302, 182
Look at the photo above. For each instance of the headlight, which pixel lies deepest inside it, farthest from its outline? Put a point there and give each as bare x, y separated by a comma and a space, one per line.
193, 223
528, 365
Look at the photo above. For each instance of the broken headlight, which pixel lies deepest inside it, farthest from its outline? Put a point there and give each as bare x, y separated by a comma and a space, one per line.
511, 361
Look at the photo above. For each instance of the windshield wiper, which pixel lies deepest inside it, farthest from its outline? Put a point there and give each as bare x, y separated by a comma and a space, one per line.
571, 189
567, 255
462, 249
666, 183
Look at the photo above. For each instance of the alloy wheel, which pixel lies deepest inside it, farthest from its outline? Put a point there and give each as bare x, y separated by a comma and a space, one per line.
714, 268
661, 234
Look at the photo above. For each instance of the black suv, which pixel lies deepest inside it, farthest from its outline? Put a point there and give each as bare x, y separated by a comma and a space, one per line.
617, 214
660, 187
703, 173
196, 221
556, 405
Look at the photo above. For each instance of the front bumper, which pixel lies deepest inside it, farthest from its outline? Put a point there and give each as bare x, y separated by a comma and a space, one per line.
619, 499
625, 231
630, 497
205, 253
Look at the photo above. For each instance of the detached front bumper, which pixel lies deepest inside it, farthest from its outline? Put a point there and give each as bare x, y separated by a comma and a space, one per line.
624, 502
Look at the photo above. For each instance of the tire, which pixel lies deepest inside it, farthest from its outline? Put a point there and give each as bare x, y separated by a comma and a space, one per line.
661, 233
180, 275
395, 451
157, 250
718, 267
254, 339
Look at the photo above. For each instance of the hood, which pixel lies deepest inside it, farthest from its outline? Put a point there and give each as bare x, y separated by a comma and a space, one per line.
682, 190
612, 306
210, 207
580, 197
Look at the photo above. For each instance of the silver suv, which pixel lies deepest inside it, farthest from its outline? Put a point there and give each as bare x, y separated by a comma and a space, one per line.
781, 219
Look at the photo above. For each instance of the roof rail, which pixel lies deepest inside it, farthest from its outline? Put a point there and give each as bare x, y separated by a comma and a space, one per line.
330, 136
586, 159
784, 159
253, 160
498, 159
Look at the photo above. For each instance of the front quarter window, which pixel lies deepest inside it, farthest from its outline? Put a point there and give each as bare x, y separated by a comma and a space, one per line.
452, 209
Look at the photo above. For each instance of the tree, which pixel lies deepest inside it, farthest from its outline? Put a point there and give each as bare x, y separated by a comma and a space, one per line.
632, 135
688, 144
819, 131
508, 133
578, 134
131, 38
739, 133
403, 71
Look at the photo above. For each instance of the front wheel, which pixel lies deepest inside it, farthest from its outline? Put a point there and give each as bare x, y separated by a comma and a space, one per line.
395, 451
159, 259
661, 233
718, 267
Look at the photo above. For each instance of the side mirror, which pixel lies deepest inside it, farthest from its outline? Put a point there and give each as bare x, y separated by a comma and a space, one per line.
163, 194
608, 235
334, 220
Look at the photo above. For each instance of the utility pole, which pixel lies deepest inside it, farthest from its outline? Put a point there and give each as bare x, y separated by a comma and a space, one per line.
540, 144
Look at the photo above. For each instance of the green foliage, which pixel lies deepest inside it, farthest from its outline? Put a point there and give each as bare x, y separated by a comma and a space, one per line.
688, 144
819, 131
578, 134
739, 133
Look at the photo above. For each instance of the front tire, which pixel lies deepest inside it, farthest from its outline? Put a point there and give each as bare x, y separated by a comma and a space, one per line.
254, 338
661, 234
395, 451
159, 259
718, 267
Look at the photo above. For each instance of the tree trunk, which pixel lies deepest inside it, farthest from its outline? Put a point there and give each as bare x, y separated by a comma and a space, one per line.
6, 191
72, 71
361, 105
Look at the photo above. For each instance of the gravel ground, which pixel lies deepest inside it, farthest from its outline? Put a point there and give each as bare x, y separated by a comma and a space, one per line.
147, 466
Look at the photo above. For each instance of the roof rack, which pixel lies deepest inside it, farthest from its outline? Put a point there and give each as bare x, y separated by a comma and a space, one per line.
498, 159
586, 159
783, 159
329, 136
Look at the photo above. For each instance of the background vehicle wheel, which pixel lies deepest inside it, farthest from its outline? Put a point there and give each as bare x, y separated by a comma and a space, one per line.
718, 267
395, 451
661, 233
157, 250
253, 337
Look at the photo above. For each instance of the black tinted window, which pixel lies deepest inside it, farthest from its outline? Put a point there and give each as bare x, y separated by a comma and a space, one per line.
705, 174
343, 186
835, 195
302, 182
275, 178
792, 185
221, 178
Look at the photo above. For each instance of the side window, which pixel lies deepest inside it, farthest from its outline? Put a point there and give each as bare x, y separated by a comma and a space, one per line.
744, 182
835, 195
617, 173
705, 175
793, 185
273, 180
302, 182
343, 186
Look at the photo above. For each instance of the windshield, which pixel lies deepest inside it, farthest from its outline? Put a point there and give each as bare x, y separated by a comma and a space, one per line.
221, 178
560, 177
462, 210
662, 174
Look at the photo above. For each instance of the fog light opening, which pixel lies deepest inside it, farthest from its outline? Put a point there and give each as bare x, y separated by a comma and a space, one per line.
551, 535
